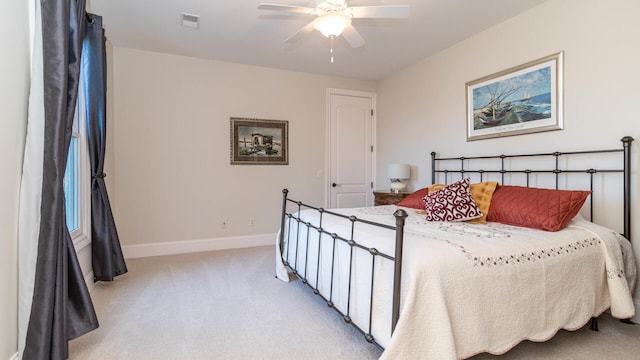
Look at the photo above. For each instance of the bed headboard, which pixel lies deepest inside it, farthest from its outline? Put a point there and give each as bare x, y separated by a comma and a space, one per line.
558, 165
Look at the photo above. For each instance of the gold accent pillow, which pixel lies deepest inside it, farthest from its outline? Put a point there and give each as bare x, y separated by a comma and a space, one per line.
481, 194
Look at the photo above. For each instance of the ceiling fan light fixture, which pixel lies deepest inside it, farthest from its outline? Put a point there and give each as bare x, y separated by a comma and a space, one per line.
331, 25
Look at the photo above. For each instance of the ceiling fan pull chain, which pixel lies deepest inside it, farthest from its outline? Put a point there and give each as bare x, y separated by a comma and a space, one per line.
331, 51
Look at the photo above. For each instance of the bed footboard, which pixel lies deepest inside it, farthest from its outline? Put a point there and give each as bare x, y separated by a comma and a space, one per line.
291, 219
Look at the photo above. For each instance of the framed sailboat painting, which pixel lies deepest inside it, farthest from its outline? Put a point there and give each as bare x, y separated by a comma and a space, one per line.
520, 100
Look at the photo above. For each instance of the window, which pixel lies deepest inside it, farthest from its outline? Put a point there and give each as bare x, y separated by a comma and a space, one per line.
71, 184
77, 187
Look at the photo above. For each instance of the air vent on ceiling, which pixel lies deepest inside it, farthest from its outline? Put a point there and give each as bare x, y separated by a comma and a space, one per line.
190, 20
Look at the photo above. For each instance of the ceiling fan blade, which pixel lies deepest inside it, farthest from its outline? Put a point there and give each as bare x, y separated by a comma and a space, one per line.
383, 11
301, 32
287, 8
353, 37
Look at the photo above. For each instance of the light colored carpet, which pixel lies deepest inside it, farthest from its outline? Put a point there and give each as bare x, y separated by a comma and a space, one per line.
214, 305
228, 305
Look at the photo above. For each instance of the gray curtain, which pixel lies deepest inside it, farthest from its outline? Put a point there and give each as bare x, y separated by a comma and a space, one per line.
61, 309
107, 258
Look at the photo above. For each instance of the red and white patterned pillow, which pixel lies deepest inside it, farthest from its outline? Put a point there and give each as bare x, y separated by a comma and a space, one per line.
452, 203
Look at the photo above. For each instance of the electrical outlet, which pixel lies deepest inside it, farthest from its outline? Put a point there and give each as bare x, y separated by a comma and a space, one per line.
252, 221
224, 224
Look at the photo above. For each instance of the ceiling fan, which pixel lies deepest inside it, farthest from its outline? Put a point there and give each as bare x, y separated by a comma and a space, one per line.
333, 18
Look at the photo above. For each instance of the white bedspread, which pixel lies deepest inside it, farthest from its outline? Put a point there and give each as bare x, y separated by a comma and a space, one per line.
471, 288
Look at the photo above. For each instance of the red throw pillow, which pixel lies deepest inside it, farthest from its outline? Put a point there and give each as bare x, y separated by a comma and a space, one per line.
452, 203
544, 209
414, 200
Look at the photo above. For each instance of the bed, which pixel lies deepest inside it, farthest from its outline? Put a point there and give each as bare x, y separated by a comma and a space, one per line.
440, 289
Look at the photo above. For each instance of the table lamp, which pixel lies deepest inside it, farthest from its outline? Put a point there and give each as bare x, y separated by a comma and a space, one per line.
397, 172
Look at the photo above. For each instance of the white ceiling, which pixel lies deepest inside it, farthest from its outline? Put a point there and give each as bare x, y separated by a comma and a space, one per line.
236, 31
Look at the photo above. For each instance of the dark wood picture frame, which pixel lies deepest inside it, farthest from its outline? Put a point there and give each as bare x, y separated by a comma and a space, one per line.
259, 142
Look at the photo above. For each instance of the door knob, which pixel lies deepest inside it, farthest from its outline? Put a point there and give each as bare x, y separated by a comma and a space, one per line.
334, 185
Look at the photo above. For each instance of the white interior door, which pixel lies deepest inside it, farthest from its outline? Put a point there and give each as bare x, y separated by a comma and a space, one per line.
351, 150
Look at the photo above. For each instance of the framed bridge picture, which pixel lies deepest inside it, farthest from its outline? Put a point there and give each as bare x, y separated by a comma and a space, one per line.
259, 142
521, 100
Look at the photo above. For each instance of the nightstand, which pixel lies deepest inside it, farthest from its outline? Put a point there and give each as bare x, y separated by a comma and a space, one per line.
387, 197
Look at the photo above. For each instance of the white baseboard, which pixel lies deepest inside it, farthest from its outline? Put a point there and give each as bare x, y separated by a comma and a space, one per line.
199, 245
14, 357
88, 279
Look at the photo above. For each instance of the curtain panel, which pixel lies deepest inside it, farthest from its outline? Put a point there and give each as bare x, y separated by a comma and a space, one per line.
61, 308
107, 258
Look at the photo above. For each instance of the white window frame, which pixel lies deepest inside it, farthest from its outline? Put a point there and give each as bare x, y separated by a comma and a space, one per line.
82, 235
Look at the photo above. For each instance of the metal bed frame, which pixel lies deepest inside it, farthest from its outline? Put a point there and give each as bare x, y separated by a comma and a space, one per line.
400, 216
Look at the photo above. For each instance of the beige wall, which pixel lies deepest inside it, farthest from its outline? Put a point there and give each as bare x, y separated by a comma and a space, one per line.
172, 176
14, 72
423, 107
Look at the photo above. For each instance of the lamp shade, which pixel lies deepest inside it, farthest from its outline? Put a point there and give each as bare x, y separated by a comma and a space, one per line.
399, 171
331, 24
